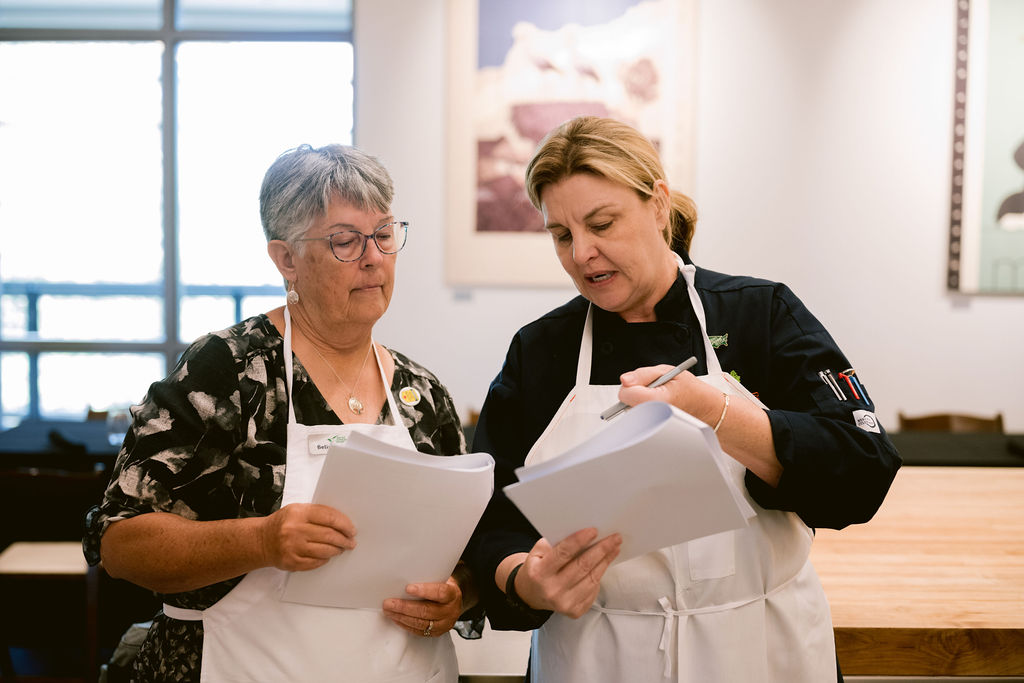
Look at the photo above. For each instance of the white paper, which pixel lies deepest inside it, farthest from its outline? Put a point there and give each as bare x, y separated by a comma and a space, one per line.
726, 383
414, 514
654, 475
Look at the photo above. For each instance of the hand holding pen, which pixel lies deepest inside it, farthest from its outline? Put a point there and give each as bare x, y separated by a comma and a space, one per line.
620, 406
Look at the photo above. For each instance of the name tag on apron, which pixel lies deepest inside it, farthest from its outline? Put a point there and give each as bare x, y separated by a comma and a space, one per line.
319, 444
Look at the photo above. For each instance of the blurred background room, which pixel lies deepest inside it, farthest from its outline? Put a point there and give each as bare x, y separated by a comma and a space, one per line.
838, 146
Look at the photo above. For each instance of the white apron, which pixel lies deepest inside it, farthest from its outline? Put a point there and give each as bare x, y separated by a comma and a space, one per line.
742, 605
250, 635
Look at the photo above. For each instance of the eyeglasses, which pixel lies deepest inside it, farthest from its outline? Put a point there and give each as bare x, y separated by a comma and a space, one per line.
350, 245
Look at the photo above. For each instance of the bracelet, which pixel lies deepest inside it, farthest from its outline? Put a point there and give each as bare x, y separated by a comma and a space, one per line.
725, 409
510, 588
513, 599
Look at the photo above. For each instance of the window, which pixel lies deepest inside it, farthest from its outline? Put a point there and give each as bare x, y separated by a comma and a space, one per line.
134, 135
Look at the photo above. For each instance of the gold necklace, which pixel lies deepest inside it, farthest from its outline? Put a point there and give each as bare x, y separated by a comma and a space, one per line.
354, 404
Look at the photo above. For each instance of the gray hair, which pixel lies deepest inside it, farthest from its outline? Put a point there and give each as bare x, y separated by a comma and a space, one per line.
300, 184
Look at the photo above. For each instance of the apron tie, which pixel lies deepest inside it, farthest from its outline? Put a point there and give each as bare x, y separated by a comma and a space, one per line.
182, 614
666, 633
669, 614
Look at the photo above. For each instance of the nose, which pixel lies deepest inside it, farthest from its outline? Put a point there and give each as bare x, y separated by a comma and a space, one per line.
583, 248
372, 255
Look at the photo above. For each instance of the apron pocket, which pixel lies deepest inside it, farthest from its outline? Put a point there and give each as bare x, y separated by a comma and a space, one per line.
712, 557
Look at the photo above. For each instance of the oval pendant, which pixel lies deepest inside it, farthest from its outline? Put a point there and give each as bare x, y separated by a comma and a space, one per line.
355, 405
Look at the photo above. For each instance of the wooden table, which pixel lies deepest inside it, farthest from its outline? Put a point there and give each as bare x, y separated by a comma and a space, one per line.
934, 584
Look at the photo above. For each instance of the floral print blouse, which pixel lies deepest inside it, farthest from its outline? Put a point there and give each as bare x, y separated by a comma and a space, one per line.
208, 443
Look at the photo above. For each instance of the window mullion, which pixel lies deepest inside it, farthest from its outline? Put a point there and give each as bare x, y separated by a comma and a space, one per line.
170, 182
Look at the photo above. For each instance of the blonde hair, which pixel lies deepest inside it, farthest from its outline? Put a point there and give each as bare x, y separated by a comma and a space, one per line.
612, 150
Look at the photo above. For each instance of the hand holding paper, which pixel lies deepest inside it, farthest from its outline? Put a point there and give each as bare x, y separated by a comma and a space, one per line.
434, 612
301, 536
655, 474
566, 577
414, 514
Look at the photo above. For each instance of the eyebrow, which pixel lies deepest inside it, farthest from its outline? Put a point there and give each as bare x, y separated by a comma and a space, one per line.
348, 226
590, 214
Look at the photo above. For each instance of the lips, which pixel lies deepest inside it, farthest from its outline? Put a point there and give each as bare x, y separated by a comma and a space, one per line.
599, 277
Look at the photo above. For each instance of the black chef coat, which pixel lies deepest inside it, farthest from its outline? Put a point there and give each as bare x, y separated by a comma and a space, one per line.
835, 472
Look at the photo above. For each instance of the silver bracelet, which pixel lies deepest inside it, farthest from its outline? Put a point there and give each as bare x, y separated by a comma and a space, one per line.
725, 409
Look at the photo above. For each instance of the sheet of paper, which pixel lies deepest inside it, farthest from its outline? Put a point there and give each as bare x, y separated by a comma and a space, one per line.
652, 475
414, 514
726, 383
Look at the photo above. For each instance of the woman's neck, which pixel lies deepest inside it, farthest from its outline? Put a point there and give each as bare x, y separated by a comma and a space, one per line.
336, 342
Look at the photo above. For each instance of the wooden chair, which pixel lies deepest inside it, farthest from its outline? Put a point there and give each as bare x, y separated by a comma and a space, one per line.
951, 422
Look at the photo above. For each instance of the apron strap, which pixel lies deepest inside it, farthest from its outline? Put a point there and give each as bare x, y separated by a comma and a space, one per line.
586, 350
288, 364
689, 272
392, 406
182, 614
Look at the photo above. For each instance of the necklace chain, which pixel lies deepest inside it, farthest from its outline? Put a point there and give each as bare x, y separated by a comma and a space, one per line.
354, 404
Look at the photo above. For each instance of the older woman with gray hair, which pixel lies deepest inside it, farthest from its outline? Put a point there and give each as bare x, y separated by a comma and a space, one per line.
208, 504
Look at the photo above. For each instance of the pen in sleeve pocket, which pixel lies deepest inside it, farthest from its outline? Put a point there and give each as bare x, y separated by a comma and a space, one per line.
620, 406
835, 385
851, 374
846, 378
830, 383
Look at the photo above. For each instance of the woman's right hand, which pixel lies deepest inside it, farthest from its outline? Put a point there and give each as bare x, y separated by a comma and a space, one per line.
566, 577
303, 536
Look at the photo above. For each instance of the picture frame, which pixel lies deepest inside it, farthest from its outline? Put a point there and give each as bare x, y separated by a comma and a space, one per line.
497, 115
986, 228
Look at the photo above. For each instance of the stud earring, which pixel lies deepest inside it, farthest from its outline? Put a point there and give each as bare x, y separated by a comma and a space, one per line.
293, 296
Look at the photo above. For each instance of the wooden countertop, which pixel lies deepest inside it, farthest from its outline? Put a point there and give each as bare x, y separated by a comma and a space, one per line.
934, 583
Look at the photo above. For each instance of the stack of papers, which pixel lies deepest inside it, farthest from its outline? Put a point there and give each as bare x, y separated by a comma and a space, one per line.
414, 514
655, 474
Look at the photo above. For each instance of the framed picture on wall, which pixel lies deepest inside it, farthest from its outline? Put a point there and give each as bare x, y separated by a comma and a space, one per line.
986, 231
518, 69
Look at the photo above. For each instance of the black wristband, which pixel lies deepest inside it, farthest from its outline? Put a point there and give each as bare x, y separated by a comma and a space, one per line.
512, 597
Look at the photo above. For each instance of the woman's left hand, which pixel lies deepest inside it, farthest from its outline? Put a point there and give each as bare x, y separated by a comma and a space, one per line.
435, 613
743, 429
685, 391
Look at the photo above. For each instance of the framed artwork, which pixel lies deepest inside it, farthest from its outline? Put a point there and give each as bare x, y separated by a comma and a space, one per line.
986, 231
515, 71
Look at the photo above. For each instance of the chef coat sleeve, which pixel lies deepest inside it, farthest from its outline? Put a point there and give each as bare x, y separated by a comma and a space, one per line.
503, 432
838, 462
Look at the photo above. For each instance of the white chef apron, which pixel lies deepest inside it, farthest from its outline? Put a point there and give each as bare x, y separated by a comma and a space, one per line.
251, 635
742, 605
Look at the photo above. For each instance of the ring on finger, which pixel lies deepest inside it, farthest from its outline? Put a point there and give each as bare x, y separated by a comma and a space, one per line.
430, 627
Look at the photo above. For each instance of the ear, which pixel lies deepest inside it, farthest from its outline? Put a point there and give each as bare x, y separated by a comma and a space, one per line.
662, 197
283, 256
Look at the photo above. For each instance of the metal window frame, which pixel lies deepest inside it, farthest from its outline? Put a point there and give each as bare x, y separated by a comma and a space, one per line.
171, 290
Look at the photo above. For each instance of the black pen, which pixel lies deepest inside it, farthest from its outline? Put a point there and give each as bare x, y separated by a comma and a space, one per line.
620, 406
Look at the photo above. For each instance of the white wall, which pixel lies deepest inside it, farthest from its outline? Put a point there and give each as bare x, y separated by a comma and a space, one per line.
824, 131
